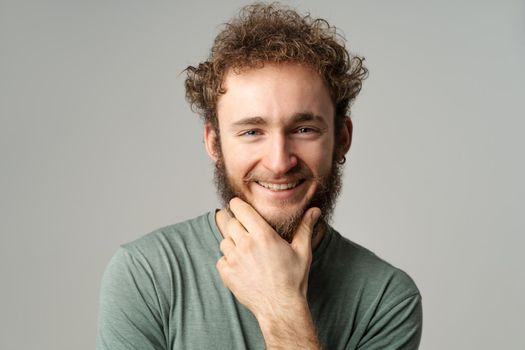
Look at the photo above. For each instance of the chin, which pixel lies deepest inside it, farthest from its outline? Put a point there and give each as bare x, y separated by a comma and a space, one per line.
281, 214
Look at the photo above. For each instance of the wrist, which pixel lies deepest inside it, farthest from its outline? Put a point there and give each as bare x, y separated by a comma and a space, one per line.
282, 309
289, 327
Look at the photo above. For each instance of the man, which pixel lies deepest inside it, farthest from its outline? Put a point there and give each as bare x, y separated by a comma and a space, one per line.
266, 270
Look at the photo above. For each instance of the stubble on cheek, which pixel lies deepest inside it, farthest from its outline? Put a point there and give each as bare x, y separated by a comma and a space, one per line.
327, 190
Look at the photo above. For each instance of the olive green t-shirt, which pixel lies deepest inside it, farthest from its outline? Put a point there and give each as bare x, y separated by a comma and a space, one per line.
163, 291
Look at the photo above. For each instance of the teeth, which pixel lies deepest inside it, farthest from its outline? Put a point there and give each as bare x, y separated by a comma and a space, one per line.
277, 187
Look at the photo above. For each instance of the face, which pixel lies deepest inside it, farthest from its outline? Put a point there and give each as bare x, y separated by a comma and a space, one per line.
276, 147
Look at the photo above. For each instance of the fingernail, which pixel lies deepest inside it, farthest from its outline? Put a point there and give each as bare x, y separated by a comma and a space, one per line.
315, 215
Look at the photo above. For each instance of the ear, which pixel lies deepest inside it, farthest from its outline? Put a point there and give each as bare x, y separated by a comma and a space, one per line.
346, 136
210, 140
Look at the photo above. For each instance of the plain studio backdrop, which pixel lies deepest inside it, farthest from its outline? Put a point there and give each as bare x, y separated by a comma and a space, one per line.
99, 147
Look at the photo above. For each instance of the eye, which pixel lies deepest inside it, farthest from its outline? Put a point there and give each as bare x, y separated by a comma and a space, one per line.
251, 132
306, 130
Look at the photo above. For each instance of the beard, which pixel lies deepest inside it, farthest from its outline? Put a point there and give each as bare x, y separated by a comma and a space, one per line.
327, 190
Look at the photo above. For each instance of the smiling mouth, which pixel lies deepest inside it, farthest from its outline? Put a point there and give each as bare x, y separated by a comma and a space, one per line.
279, 187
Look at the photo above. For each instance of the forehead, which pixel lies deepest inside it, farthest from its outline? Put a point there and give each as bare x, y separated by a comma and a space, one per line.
276, 93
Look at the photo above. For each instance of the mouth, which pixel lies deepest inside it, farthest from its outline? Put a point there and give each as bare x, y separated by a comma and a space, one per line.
279, 186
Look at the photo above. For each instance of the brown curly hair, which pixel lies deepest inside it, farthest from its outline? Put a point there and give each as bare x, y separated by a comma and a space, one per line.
272, 33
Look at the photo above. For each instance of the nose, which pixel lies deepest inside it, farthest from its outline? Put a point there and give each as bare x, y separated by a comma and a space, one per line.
279, 157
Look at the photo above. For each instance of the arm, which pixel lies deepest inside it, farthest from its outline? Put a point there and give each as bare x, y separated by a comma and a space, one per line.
291, 329
269, 275
129, 316
397, 326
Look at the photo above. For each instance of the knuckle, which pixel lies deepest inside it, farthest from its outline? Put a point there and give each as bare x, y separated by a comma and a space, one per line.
267, 238
220, 263
246, 245
223, 265
223, 245
308, 259
233, 259
305, 226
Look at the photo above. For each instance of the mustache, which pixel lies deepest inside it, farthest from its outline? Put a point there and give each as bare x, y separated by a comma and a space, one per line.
298, 173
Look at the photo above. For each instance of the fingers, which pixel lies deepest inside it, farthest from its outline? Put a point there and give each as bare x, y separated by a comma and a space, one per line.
235, 230
222, 268
303, 234
229, 225
227, 246
222, 217
249, 217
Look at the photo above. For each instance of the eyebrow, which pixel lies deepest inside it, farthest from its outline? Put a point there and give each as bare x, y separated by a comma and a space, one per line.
296, 118
307, 117
250, 121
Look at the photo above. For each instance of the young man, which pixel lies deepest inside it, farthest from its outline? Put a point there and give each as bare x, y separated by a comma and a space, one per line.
266, 270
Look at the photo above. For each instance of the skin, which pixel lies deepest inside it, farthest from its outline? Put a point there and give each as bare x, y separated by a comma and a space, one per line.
277, 126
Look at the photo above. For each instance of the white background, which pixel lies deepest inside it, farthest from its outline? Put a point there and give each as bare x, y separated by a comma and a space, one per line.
98, 147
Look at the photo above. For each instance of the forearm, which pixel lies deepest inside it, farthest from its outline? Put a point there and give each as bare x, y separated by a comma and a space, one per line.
289, 328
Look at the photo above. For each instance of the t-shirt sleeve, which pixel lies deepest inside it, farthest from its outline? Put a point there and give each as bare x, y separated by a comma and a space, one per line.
129, 311
398, 327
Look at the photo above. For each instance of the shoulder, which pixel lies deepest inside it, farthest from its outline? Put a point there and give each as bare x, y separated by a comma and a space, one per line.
142, 281
164, 250
159, 257
193, 233
381, 299
355, 270
371, 268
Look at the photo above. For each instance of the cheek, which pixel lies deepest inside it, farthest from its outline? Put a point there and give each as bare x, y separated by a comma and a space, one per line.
236, 148
238, 160
319, 157
322, 165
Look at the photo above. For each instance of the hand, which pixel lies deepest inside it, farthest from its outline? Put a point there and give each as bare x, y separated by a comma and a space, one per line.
265, 273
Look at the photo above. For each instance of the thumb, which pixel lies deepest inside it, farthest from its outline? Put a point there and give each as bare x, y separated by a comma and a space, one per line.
302, 239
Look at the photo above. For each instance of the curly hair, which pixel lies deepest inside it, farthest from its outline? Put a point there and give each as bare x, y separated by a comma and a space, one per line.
272, 33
